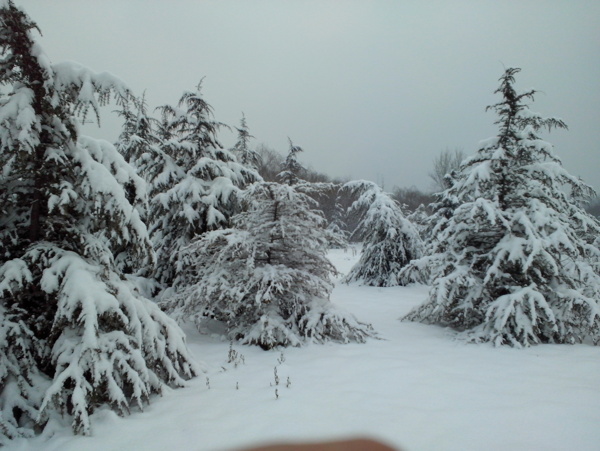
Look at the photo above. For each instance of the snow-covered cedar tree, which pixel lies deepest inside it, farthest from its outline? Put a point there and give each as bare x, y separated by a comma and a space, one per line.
193, 182
516, 261
137, 135
241, 148
291, 169
390, 241
337, 233
423, 270
74, 335
139, 144
267, 279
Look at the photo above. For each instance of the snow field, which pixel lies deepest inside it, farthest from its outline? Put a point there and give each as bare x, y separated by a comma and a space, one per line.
416, 388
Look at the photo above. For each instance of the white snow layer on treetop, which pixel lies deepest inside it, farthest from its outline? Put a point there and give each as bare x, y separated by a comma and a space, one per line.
42, 58
89, 87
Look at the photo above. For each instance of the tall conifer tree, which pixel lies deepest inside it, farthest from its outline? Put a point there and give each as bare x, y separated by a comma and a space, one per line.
515, 260
74, 333
242, 150
291, 169
194, 181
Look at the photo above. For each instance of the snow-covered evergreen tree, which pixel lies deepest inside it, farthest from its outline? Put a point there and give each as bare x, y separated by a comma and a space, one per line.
513, 261
390, 240
291, 169
241, 148
138, 144
337, 233
420, 219
74, 335
423, 270
193, 181
138, 141
268, 279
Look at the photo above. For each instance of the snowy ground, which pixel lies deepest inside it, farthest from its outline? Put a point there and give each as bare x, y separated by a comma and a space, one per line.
417, 389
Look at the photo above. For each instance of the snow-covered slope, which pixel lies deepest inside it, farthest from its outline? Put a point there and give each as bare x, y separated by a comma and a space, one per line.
416, 388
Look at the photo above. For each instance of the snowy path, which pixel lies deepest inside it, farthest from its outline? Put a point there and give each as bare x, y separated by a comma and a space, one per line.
416, 389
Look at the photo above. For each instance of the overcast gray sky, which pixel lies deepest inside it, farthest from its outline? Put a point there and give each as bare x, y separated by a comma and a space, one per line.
370, 89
